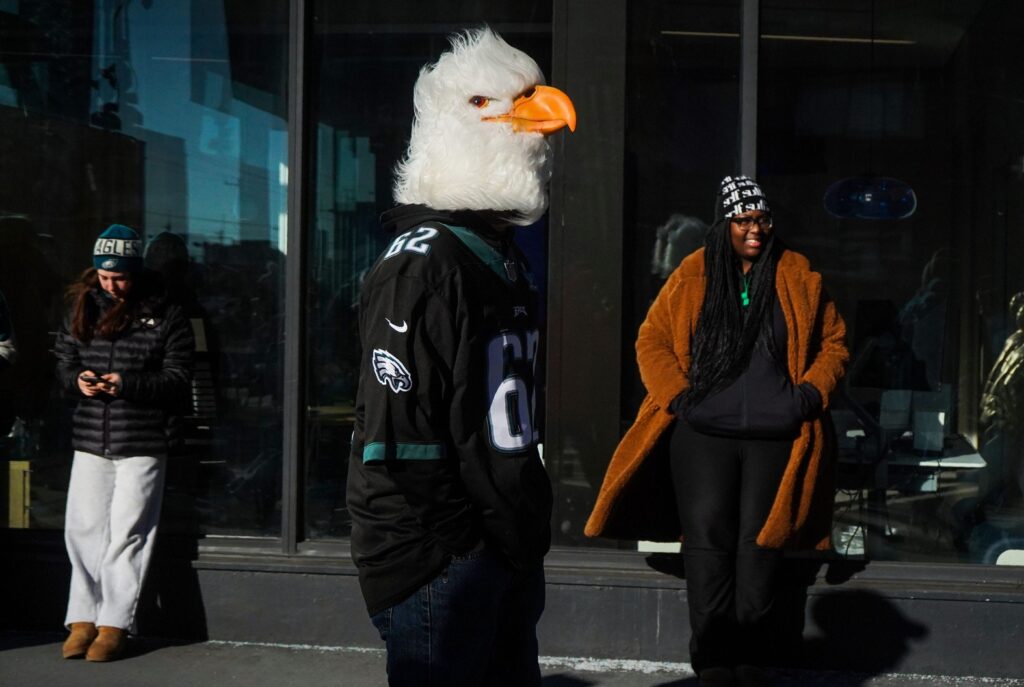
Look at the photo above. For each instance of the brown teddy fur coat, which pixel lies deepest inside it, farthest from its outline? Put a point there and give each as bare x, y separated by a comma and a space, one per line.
637, 501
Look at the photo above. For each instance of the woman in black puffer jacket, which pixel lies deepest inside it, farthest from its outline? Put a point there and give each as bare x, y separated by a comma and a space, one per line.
126, 353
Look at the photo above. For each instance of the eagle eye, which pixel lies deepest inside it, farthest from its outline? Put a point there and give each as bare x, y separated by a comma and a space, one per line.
479, 101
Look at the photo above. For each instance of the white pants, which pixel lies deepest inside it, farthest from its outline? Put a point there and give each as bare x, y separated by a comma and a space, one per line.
109, 528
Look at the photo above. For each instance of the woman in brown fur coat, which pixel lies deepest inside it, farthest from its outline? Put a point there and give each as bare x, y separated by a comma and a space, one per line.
739, 353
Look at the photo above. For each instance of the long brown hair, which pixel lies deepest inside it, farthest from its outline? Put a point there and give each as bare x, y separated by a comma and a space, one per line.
86, 322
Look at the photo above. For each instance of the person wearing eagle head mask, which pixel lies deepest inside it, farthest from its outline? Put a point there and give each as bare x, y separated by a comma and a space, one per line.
449, 499
739, 353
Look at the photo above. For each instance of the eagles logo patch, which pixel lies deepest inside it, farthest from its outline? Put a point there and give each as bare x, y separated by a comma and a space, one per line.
390, 371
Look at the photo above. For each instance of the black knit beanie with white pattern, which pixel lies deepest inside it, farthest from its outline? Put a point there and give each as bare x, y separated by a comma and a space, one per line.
737, 195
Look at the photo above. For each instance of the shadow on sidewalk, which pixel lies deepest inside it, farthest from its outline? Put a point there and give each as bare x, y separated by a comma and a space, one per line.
853, 635
565, 681
684, 682
854, 630
171, 604
10, 640
858, 630
137, 646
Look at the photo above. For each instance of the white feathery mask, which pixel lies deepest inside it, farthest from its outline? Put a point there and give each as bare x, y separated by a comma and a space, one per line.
479, 136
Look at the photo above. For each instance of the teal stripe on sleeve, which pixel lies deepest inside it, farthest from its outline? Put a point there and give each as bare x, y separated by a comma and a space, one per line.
378, 450
487, 254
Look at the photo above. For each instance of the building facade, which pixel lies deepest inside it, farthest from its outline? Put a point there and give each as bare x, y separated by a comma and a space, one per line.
253, 143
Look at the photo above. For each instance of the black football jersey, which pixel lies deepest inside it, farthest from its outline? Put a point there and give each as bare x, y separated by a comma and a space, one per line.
445, 449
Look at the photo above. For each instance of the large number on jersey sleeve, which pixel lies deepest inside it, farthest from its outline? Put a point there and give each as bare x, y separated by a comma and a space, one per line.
415, 241
510, 417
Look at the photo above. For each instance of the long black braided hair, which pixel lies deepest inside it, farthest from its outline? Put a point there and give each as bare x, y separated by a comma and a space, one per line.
726, 333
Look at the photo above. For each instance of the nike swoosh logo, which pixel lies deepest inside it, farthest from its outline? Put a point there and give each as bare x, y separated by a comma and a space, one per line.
400, 328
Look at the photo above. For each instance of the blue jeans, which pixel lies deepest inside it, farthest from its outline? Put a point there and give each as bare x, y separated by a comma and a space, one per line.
474, 624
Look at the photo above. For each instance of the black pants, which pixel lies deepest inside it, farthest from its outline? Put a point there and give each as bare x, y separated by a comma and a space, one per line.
725, 489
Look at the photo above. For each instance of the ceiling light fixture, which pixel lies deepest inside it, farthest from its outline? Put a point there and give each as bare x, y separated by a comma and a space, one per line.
869, 196
793, 37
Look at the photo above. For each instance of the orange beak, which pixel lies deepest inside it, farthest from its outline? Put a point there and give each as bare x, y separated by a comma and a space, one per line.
545, 110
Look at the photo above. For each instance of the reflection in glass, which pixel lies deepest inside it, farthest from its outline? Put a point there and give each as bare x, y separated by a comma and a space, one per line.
169, 117
997, 515
363, 112
681, 137
870, 197
679, 236
922, 476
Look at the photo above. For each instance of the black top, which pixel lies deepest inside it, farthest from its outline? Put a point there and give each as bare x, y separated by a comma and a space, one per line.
762, 402
444, 453
154, 359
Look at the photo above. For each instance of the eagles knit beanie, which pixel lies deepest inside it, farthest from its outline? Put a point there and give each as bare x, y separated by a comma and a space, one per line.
737, 195
118, 249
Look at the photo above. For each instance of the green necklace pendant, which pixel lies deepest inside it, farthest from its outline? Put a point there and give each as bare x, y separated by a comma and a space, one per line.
745, 293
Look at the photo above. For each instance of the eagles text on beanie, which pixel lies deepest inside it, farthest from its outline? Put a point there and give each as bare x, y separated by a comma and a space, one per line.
118, 249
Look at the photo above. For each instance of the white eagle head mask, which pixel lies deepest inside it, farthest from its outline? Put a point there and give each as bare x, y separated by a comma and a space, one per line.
479, 136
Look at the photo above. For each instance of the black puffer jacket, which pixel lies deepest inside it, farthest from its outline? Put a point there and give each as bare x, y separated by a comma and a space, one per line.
154, 359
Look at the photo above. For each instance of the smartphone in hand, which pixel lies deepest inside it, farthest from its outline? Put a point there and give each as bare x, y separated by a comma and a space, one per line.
90, 379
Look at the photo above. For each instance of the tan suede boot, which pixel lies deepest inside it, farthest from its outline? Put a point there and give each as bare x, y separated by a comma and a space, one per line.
79, 640
108, 646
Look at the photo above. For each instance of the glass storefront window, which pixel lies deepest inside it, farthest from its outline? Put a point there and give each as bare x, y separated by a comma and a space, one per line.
172, 117
366, 60
927, 418
681, 115
169, 117
682, 137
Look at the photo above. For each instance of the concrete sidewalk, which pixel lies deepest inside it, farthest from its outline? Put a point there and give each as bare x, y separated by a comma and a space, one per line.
33, 660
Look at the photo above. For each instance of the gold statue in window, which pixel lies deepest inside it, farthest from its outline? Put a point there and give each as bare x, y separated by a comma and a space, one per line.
1002, 403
